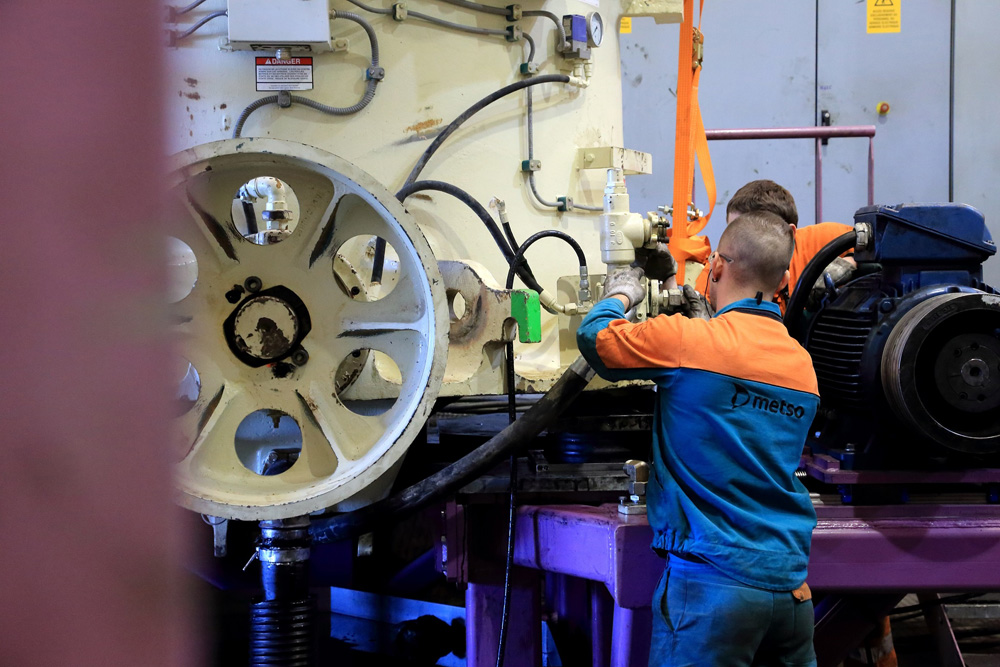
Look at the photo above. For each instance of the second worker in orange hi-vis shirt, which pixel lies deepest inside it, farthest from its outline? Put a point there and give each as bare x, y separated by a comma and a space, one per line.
765, 195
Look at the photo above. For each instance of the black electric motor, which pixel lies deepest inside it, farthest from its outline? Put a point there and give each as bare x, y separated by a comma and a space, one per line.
908, 354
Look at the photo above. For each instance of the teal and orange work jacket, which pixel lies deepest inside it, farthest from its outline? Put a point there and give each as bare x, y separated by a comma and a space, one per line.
736, 398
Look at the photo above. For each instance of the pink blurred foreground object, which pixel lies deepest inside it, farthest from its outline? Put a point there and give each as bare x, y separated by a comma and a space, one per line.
92, 542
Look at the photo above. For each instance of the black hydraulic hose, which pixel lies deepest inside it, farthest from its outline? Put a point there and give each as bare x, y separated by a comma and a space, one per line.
546, 233
468, 113
511, 417
480, 211
794, 315
379, 258
449, 480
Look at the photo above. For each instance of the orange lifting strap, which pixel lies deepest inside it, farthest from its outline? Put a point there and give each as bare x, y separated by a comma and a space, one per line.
690, 142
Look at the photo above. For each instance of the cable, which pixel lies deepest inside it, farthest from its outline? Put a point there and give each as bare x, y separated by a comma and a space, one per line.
512, 417
457, 26
449, 480
502, 11
555, 233
794, 316
478, 106
190, 31
365, 100
555, 19
185, 10
480, 210
475, 6
435, 20
533, 188
512, 508
367, 8
531, 47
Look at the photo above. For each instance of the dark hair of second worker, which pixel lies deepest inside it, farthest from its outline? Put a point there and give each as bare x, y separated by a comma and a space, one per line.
764, 195
760, 244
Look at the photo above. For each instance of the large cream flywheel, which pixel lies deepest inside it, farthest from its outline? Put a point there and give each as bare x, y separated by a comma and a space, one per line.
291, 333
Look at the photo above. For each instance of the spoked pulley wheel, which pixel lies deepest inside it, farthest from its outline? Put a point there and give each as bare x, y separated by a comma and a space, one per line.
304, 383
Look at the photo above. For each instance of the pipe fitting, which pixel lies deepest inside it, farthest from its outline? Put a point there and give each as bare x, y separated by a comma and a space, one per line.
621, 230
274, 191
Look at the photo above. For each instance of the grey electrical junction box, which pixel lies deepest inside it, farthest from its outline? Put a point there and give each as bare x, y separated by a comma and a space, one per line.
266, 25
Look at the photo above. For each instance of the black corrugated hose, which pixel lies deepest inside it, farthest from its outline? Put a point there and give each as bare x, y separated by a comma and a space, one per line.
794, 314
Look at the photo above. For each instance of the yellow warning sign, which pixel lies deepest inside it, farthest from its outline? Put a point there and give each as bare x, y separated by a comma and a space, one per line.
626, 26
884, 15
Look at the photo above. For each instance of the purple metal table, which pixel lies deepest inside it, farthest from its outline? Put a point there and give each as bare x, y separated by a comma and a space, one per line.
877, 553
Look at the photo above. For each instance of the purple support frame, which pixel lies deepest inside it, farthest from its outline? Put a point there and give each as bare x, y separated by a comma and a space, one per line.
889, 549
819, 134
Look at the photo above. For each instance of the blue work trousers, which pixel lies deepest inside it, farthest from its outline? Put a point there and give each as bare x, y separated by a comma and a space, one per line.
703, 617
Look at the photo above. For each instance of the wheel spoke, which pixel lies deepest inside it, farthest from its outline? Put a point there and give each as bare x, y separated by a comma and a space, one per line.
217, 418
211, 236
349, 434
313, 238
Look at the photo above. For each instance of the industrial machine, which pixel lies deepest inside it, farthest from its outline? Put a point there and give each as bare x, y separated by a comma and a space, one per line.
338, 272
906, 354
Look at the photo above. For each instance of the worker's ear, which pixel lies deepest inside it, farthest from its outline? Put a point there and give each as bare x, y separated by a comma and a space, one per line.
719, 267
784, 281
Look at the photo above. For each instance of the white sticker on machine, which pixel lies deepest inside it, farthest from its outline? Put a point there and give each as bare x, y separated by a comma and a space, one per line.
288, 74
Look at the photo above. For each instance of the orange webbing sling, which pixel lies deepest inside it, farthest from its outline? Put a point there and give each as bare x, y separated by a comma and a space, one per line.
690, 142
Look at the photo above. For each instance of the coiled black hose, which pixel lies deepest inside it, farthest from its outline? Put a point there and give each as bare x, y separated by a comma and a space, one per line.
794, 314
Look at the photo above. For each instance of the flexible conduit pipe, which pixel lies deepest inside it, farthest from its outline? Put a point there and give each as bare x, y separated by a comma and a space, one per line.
449, 480
366, 98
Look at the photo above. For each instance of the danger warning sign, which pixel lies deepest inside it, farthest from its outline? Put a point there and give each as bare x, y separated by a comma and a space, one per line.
288, 74
884, 15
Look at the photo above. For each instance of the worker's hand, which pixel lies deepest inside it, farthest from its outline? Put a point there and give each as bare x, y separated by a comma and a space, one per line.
696, 306
658, 263
840, 271
627, 282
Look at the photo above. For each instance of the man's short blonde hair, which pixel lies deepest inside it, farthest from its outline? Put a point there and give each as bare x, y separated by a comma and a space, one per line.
760, 244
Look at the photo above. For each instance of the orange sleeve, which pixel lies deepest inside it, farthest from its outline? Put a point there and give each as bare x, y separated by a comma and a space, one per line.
655, 343
809, 241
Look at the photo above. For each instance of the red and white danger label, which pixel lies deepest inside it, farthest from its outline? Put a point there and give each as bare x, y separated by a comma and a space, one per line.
289, 74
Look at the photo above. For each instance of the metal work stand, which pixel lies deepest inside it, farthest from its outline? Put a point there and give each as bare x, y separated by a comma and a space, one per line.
863, 560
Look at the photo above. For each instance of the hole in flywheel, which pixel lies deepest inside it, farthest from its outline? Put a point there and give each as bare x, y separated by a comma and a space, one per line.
268, 442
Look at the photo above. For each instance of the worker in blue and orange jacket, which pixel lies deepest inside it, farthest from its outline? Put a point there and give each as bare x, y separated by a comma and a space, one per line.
765, 195
735, 399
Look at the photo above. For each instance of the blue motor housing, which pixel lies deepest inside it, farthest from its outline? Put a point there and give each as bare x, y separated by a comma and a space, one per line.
908, 354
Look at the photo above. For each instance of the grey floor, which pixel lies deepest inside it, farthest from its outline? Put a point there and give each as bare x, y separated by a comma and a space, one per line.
976, 626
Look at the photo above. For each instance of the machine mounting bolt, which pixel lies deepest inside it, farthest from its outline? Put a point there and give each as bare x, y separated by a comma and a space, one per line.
886, 305
253, 284
300, 357
234, 295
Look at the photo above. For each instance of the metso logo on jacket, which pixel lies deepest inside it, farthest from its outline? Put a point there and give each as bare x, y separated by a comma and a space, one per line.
736, 397
743, 396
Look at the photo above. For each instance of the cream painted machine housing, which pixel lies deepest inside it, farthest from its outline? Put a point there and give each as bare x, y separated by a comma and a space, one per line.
432, 74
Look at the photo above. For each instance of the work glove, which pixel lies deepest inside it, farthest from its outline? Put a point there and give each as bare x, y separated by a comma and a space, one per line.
696, 306
626, 281
658, 263
840, 271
